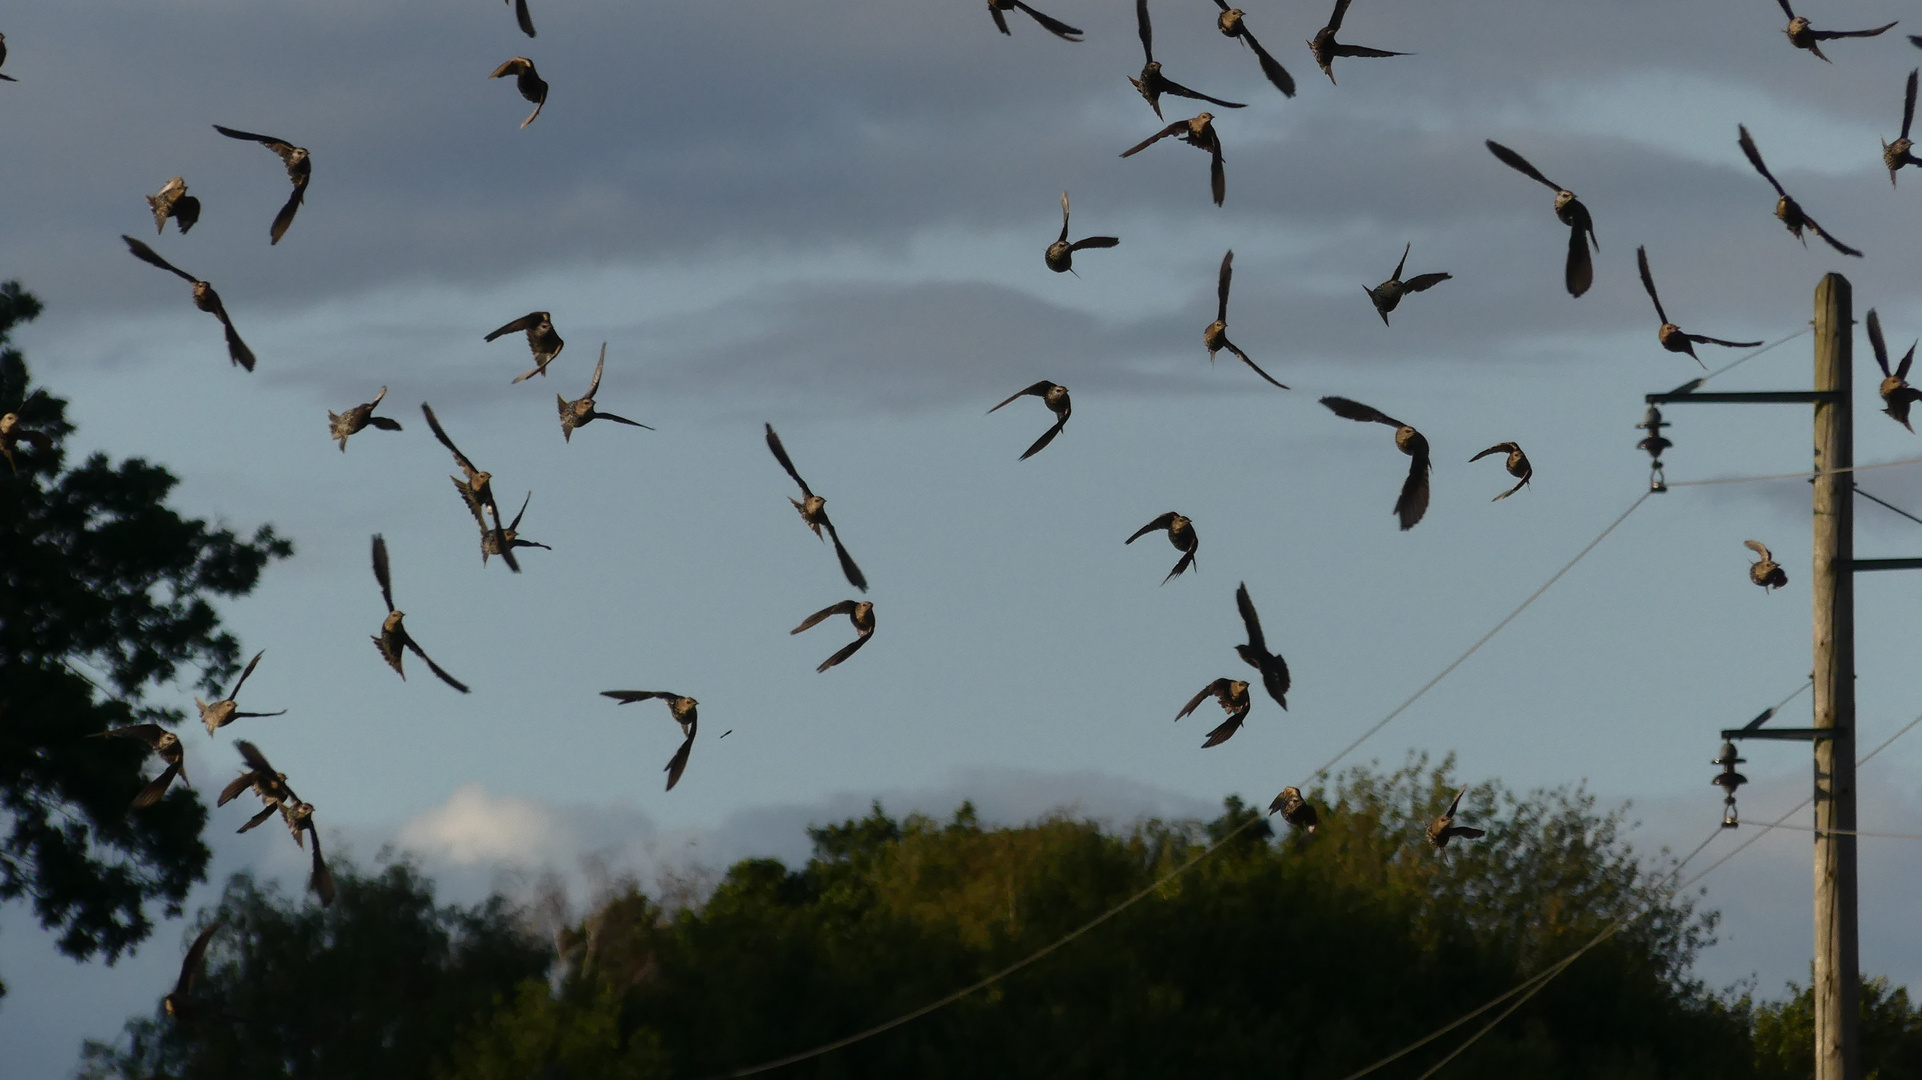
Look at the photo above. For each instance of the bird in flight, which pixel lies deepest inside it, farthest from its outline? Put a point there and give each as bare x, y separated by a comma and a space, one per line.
1901, 152
1060, 254
296, 814
3, 58
1443, 829
1231, 22
393, 637
179, 1005
521, 16
1181, 533
1274, 670
358, 418
477, 492
1517, 465
1199, 133
1295, 809
1897, 394
685, 712
1765, 571
1788, 209
1413, 501
1670, 335
1579, 274
12, 435
219, 714
1215, 337
1152, 83
1803, 36
174, 202
508, 537
1233, 696
527, 81
1326, 48
542, 341
1388, 294
205, 298
1053, 26
300, 169
163, 743
814, 511
859, 612
1055, 397
580, 412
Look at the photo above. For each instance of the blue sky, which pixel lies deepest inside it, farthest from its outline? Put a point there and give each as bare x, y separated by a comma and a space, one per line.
832, 219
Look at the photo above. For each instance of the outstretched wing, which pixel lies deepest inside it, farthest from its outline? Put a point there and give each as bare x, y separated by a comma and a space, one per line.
1222, 280
320, 879
191, 963
1051, 25
1498, 448
1161, 522
843, 653
1704, 339
1755, 158
629, 697
279, 146
521, 16
845, 607
1270, 67
525, 322
848, 569
1824, 234
1145, 30
441, 434
436, 668
1648, 281
678, 763
1876, 342
1095, 242
1047, 437
242, 681
1236, 349
156, 788
1424, 282
1214, 689
1579, 273
287, 212
1038, 389
1341, 12
1172, 129
1908, 100
1355, 410
381, 572
1831, 35
255, 760
1413, 501
1520, 164
148, 255
1342, 49
1169, 86
780, 455
1250, 621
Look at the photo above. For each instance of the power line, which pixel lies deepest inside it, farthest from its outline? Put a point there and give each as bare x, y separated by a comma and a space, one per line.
1891, 506
1739, 361
1795, 475
1850, 832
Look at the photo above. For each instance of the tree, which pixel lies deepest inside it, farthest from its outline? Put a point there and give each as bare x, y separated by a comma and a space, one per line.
96, 573
377, 985
1891, 1034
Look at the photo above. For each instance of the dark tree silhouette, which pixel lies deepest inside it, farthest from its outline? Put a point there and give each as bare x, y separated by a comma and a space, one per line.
104, 597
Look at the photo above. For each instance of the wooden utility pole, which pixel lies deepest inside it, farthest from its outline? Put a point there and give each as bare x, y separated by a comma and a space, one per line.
1837, 948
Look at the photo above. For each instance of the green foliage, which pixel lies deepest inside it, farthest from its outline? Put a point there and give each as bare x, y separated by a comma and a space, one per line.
97, 572
377, 985
1298, 956
1891, 1035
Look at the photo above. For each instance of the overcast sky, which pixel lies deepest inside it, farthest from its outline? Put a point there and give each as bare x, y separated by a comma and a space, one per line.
832, 218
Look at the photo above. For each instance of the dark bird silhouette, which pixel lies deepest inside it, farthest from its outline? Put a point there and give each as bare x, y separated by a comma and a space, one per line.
1060, 254
174, 202
219, 714
1788, 209
12, 435
179, 1005
1388, 294
521, 16
1055, 397
1517, 465
1901, 152
1326, 48
1413, 501
1579, 273
1231, 22
1443, 829
393, 637
1274, 670
1152, 83
1803, 36
1765, 571
1053, 26
1233, 696
527, 81
296, 814
1897, 394
359, 418
1215, 337
542, 341
1181, 533
166, 745
300, 169
205, 298
476, 492
686, 713
580, 412
1671, 336
1200, 134
509, 536
814, 511
3, 59
1295, 809
859, 612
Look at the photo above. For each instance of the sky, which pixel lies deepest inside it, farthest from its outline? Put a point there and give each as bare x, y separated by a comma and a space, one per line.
832, 219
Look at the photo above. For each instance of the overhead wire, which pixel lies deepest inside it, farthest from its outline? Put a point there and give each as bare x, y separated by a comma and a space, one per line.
1887, 505
1795, 475
1739, 361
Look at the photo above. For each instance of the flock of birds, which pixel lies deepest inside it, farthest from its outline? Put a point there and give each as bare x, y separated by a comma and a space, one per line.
500, 537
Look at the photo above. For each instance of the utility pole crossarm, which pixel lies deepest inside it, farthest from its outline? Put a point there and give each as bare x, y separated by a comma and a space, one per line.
1864, 565
1751, 397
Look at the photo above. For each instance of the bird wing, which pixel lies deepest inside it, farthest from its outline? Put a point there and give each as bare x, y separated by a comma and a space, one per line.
1160, 522
1047, 437
441, 434
1342, 49
1341, 12
678, 763
1169, 86
1579, 272
1270, 67
1830, 35
525, 322
1876, 343
1824, 234
232, 790
385, 423
1498, 448
157, 787
620, 420
1064, 219
845, 607
1236, 349
237, 350
258, 819
843, 653
1648, 281
1908, 101
1038, 389
1520, 164
1757, 547
1222, 280
1053, 26
516, 523
539, 104
629, 697
255, 760
848, 569
1902, 369
1214, 689
251, 664
1519, 484
1454, 804
512, 67
1226, 729
1217, 174
279, 146
1786, 10
1755, 158
1405, 248
1172, 129
1000, 20
190, 964
780, 455
148, 255
1250, 621
1413, 501
1187, 559
1704, 339
146, 733
1145, 30
287, 212
1424, 282
1355, 410
436, 668
594, 387
381, 572
1274, 677
521, 16
1095, 242
320, 879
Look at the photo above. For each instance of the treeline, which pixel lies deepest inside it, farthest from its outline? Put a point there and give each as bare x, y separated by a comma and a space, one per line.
1309, 956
